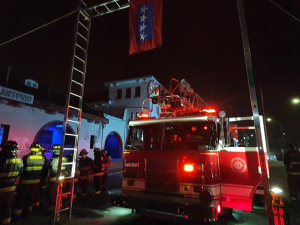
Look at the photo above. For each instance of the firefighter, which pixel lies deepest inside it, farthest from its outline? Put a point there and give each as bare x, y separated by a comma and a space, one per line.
86, 167
97, 172
52, 183
292, 162
10, 168
35, 170
105, 165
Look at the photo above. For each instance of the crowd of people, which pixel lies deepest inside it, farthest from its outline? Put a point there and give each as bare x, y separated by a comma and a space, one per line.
22, 179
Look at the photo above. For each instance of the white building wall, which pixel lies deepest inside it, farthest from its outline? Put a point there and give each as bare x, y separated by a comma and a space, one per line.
27, 121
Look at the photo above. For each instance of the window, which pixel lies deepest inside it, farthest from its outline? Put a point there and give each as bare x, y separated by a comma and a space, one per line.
200, 135
128, 92
119, 94
136, 115
137, 91
4, 130
132, 116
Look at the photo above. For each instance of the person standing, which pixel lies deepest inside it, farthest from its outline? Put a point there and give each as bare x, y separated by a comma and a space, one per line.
86, 167
292, 162
52, 183
105, 165
35, 170
10, 168
97, 171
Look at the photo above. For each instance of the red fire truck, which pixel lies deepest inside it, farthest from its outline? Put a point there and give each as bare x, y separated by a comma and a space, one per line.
190, 162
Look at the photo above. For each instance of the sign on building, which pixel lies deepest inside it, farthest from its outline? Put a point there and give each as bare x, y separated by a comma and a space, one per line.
16, 95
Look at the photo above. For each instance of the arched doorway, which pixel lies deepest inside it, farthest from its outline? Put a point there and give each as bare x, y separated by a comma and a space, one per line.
51, 134
113, 145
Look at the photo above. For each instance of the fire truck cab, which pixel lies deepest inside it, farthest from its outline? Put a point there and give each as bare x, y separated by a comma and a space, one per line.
190, 163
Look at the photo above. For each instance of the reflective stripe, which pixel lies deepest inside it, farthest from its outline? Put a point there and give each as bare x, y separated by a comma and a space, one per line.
28, 209
5, 221
294, 163
98, 174
83, 177
52, 179
30, 181
31, 168
17, 211
9, 174
293, 173
85, 168
7, 189
36, 204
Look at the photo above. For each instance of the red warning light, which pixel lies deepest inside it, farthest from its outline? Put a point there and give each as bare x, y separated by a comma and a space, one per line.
209, 110
144, 115
205, 128
194, 128
188, 168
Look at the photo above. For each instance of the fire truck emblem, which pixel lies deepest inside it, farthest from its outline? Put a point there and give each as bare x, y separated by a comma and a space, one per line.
238, 165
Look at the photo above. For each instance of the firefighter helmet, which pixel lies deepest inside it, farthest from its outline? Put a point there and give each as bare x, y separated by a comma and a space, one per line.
83, 152
11, 146
97, 150
35, 147
56, 148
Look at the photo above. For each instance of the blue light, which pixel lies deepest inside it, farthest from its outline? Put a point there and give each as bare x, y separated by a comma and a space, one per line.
59, 125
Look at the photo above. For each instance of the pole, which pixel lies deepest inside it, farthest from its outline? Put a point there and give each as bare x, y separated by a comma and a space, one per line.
7, 76
254, 104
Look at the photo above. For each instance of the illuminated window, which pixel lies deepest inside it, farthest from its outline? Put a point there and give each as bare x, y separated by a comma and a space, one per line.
128, 93
137, 91
132, 116
119, 94
4, 130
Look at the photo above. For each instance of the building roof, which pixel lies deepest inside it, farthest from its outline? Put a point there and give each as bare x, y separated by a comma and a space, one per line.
49, 100
131, 80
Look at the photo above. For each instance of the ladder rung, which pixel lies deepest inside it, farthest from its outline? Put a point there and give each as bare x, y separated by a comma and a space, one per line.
80, 47
68, 163
78, 70
69, 148
76, 82
75, 95
79, 58
86, 16
73, 121
82, 36
67, 178
82, 25
64, 209
71, 134
66, 193
74, 107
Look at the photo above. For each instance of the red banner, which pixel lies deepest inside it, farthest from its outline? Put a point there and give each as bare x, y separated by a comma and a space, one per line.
145, 22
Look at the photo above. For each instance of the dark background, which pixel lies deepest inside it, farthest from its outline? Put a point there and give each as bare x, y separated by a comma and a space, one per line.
201, 43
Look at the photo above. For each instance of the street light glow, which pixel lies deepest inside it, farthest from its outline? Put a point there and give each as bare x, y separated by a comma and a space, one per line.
296, 100
269, 119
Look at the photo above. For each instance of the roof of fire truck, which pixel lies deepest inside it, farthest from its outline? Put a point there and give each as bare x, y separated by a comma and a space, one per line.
184, 106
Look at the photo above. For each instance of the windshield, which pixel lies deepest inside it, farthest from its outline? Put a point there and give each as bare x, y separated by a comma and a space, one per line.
200, 135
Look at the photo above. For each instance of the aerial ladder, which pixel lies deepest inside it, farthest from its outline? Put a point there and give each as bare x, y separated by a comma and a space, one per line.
75, 93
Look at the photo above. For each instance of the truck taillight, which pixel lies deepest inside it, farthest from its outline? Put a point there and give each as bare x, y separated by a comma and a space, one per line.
188, 167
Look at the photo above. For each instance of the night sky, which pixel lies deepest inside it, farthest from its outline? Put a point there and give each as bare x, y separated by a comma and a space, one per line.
201, 43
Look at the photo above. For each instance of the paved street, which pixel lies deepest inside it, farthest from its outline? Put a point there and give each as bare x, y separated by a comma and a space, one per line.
96, 212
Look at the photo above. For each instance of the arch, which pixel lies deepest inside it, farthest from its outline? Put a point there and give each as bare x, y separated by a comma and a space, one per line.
51, 133
113, 145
